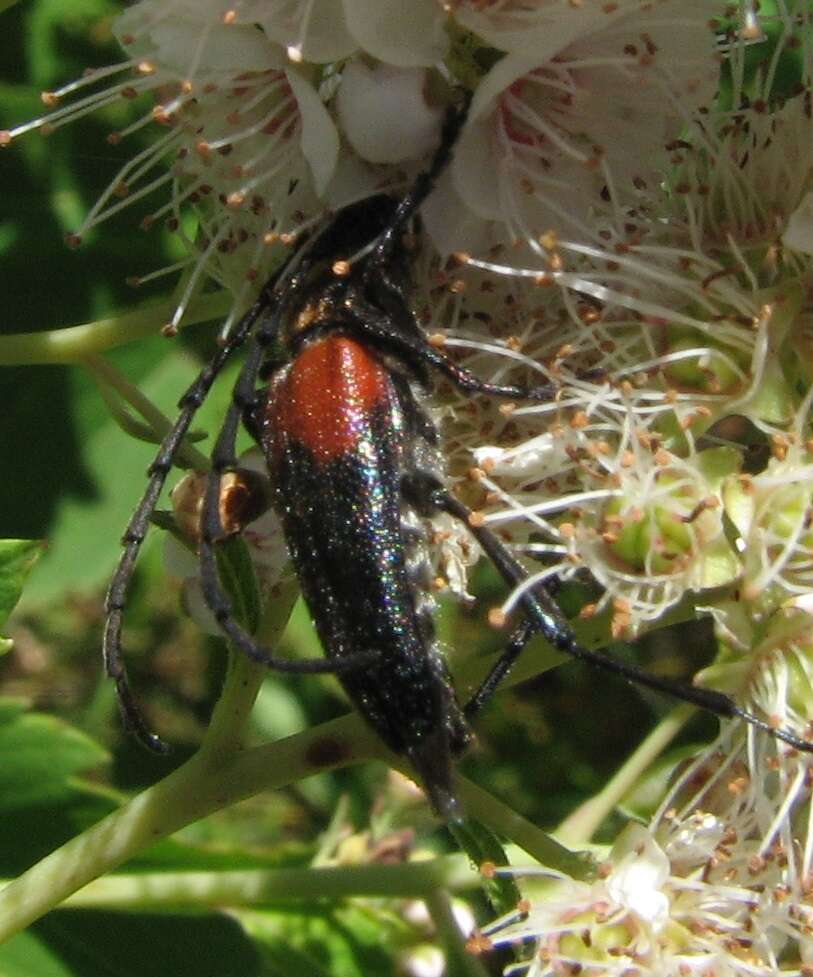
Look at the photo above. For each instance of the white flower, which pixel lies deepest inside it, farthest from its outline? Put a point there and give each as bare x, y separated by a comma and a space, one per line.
384, 113
735, 828
404, 35
551, 131
314, 31
248, 145
660, 535
619, 923
692, 896
745, 176
639, 871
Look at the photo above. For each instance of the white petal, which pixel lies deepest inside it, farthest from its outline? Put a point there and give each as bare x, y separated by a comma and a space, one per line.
531, 29
194, 604
640, 869
474, 168
352, 180
524, 460
799, 232
192, 47
316, 32
399, 33
452, 225
545, 129
384, 113
320, 141
616, 103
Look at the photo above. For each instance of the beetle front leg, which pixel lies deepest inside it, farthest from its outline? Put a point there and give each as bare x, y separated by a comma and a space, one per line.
412, 346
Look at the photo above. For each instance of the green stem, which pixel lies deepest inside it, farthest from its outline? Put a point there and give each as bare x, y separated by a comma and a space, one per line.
201, 786
221, 774
217, 775
244, 677
75, 343
459, 963
199, 891
580, 826
107, 374
505, 821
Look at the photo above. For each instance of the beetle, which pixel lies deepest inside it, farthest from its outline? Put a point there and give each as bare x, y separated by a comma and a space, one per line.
353, 459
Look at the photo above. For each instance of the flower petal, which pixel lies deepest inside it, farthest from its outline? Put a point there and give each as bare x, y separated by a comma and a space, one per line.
799, 231
319, 140
314, 32
410, 34
384, 113
194, 47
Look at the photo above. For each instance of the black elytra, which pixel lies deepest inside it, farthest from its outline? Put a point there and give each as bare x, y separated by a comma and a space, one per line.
355, 464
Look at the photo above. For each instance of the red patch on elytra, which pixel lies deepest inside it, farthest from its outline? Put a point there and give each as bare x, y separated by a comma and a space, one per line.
326, 396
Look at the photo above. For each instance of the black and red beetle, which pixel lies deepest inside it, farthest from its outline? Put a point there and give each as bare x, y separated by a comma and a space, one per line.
350, 454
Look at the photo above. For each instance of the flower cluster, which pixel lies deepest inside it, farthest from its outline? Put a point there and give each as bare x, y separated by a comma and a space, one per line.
720, 881
718, 886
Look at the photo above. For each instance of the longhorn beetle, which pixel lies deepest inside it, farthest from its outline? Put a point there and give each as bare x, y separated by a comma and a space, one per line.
350, 451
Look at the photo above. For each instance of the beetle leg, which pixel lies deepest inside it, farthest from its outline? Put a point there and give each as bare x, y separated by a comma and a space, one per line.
412, 347
249, 416
516, 645
546, 617
408, 206
139, 523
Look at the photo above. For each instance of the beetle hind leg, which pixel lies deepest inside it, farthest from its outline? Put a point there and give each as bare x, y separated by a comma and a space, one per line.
543, 615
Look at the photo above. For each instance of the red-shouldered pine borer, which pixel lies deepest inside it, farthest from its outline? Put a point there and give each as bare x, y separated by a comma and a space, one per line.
350, 451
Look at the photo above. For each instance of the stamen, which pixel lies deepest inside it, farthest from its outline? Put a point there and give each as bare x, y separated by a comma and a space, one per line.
129, 173
200, 267
78, 110
90, 77
166, 270
128, 201
530, 583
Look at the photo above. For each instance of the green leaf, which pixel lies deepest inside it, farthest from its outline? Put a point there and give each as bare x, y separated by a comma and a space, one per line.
43, 801
238, 578
84, 539
107, 944
349, 940
17, 557
27, 956
484, 847
41, 755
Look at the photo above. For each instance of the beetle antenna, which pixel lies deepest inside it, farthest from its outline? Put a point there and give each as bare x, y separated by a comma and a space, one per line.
425, 181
